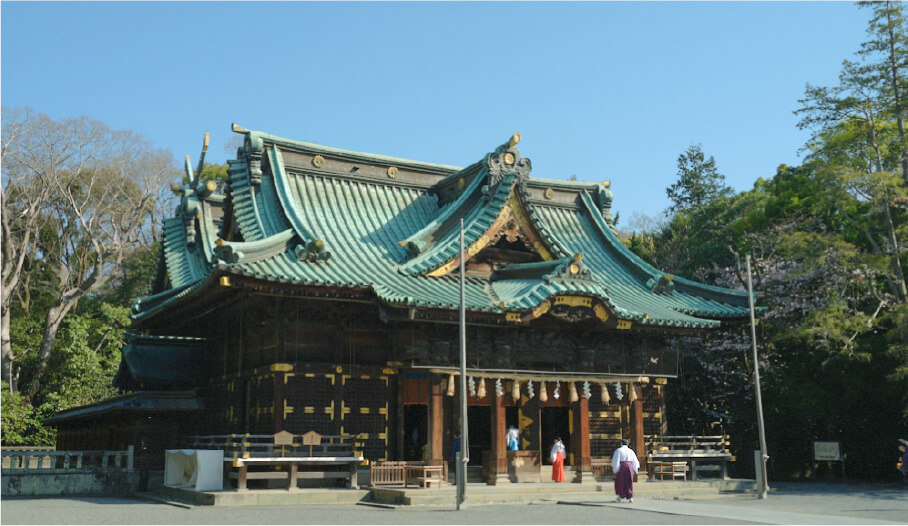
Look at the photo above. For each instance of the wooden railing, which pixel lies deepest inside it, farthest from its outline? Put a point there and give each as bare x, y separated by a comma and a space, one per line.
58, 462
692, 444
703, 453
394, 472
251, 446
387, 473
601, 468
285, 456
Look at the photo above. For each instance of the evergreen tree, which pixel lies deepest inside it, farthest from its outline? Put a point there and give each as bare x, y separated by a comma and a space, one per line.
699, 182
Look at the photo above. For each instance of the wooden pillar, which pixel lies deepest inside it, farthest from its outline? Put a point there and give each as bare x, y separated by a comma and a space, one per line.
279, 379
399, 439
637, 443
580, 440
436, 419
498, 465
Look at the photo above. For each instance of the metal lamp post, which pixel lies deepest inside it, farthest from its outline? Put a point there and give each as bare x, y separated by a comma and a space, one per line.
462, 456
761, 467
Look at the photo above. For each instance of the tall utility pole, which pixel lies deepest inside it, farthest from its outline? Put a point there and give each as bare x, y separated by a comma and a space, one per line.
463, 456
761, 480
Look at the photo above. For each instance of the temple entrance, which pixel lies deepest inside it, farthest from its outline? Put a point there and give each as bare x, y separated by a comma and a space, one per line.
416, 431
479, 421
555, 423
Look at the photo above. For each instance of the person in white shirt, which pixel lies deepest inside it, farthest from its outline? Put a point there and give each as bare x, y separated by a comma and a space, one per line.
513, 438
624, 466
558, 460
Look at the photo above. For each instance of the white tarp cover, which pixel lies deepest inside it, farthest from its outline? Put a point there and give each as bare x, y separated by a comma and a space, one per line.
196, 469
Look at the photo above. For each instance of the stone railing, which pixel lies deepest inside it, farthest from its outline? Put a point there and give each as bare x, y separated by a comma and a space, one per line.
34, 460
42, 471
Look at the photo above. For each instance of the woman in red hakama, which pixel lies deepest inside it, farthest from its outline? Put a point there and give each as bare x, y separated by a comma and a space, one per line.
558, 460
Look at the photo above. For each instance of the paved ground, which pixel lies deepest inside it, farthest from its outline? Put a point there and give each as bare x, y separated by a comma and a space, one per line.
789, 504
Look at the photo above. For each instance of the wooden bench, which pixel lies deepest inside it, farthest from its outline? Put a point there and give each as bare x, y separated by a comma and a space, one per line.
710, 452
670, 469
425, 475
285, 457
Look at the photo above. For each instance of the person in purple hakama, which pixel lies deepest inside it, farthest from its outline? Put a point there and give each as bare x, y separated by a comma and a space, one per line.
625, 466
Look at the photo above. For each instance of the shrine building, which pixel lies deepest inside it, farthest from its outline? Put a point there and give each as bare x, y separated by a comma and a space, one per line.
318, 289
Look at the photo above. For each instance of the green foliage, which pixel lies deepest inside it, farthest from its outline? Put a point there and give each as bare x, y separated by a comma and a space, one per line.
829, 254
87, 357
139, 270
20, 422
212, 172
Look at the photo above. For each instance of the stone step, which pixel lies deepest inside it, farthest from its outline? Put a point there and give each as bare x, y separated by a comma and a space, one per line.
482, 498
538, 492
264, 497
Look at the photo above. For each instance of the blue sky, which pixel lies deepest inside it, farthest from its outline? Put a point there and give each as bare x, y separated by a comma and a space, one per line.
606, 91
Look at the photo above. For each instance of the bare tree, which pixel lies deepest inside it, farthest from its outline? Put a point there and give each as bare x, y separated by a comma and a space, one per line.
78, 197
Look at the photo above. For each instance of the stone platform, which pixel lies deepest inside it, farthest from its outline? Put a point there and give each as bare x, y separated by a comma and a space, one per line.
265, 497
477, 494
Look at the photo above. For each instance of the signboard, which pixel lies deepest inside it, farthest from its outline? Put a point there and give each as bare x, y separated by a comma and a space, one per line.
828, 451
283, 438
312, 439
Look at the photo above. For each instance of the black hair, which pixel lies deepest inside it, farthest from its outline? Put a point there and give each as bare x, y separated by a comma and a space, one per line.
557, 439
624, 442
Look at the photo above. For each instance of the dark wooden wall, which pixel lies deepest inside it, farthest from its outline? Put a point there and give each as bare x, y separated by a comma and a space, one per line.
331, 366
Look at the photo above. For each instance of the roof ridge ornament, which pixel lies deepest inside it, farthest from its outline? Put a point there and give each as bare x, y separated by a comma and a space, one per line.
571, 270
252, 149
604, 202
505, 160
313, 252
191, 194
664, 285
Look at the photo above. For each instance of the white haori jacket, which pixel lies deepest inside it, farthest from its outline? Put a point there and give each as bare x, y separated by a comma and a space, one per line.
556, 448
623, 454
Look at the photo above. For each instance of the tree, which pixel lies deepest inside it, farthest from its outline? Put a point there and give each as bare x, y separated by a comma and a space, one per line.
859, 136
699, 182
77, 199
888, 45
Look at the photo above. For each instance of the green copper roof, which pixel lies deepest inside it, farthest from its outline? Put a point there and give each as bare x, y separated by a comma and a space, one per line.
302, 223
